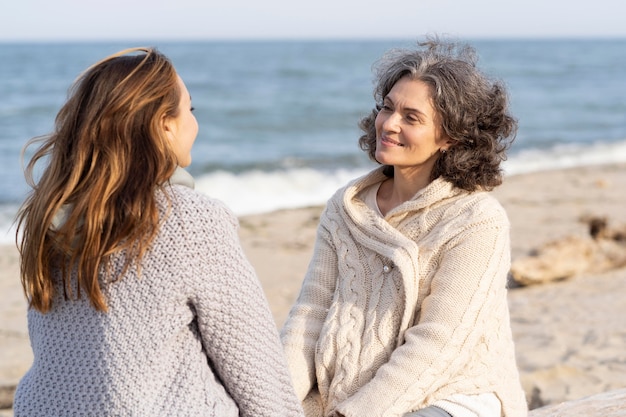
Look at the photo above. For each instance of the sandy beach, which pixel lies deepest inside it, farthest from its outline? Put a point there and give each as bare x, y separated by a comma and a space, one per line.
570, 334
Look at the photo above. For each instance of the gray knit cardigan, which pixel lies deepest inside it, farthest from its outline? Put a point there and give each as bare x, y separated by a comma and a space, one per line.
190, 335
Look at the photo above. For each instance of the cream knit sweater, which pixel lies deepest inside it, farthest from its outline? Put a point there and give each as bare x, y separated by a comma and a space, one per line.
398, 313
191, 336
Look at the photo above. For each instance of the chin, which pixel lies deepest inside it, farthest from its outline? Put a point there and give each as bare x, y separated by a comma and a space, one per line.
382, 160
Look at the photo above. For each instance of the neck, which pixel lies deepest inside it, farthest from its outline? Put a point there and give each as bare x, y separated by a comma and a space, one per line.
407, 182
401, 188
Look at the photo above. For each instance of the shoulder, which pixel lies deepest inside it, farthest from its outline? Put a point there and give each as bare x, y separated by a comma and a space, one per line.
480, 205
458, 211
471, 213
191, 207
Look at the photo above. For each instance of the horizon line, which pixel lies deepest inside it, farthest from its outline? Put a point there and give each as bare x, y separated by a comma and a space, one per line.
304, 39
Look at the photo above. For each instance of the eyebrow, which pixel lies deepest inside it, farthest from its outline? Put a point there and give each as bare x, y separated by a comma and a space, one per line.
407, 109
412, 110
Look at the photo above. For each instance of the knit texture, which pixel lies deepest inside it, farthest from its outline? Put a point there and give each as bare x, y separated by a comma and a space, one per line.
191, 335
398, 313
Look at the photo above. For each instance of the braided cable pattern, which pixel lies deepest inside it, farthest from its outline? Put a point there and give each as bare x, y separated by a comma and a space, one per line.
449, 318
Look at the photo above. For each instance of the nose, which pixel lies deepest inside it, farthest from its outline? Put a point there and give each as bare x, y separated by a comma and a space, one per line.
390, 121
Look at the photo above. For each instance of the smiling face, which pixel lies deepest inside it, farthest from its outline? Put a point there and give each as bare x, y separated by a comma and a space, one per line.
407, 132
182, 129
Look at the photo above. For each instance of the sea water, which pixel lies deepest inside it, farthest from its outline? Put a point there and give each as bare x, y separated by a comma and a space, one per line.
278, 119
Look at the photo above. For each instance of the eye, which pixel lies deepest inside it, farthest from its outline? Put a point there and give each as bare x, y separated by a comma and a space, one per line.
192, 109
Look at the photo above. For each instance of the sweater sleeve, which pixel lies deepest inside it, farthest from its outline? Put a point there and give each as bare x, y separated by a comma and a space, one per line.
466, 292
235, 323
302, 328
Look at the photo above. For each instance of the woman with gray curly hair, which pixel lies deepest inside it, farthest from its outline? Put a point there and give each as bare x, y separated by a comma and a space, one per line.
403, 310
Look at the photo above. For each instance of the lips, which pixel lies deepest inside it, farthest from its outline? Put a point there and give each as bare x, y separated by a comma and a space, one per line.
385, 140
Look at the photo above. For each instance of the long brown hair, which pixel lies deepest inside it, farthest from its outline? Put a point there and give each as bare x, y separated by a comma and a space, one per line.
104, 161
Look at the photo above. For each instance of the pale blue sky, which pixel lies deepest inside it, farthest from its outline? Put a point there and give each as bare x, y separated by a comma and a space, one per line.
59, 20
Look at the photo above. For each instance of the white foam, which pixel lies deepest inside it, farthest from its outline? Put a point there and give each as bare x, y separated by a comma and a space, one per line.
259, 192
7, 224
565, 156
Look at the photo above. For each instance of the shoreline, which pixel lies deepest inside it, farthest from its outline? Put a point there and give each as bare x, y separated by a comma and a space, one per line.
558, 361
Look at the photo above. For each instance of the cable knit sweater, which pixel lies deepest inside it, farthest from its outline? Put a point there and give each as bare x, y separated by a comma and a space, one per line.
398, 313
191, 335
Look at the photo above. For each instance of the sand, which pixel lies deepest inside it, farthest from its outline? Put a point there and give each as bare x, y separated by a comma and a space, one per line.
570, 335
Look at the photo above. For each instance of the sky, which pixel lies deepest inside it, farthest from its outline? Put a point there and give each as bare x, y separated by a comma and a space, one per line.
84, 20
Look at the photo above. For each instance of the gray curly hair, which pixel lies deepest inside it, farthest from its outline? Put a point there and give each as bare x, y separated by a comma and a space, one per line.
472, 110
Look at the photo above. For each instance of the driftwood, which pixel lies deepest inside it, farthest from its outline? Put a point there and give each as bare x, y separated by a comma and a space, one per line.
606, 404
602, 250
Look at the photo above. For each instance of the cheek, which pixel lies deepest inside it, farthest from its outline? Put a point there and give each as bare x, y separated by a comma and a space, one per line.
196, 127
192, 127
378, 123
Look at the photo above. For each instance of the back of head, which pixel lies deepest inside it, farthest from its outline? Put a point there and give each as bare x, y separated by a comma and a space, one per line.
473, 110
114, 113
104, 161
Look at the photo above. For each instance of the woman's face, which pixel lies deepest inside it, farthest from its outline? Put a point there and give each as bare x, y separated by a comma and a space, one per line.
182, 129
407, 133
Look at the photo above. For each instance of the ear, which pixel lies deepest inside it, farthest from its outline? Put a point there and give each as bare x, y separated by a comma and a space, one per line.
168, 126
447, 143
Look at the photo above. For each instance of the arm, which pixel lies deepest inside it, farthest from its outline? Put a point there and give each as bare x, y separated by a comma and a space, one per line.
236, 325
466, 290
306, 318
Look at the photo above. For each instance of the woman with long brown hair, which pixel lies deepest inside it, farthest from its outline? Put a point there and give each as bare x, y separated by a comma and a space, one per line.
141, 301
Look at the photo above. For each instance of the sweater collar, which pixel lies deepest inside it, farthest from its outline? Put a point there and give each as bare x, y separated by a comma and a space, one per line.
439, 189
182, 177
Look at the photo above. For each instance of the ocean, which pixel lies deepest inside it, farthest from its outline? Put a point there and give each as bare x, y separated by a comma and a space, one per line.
278, 119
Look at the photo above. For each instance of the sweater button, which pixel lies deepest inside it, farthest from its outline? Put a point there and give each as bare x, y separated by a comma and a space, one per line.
386, 268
